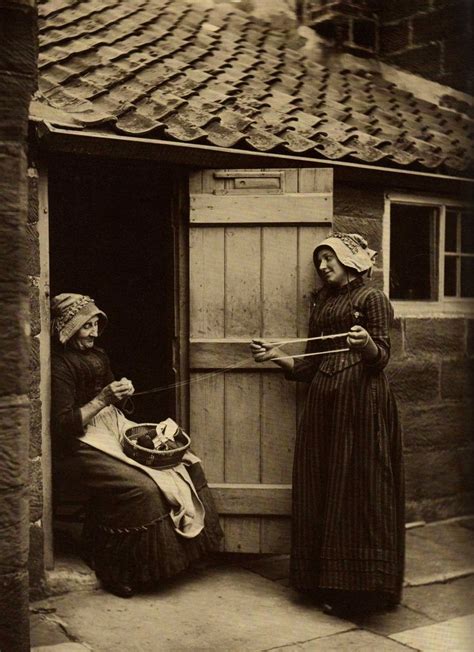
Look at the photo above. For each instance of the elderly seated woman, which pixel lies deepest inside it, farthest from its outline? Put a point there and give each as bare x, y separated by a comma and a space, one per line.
138, 529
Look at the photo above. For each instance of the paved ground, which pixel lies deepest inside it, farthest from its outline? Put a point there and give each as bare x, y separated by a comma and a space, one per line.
244, 604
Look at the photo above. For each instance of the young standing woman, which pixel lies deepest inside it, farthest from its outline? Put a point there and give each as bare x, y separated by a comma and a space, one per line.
348, 529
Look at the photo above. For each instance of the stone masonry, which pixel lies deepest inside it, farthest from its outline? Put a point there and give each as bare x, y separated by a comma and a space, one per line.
18, 56
431, 374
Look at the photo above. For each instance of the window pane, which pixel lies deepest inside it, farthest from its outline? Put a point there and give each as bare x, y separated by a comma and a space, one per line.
450, 276
451, 221
467, 280
467, 233
413, 252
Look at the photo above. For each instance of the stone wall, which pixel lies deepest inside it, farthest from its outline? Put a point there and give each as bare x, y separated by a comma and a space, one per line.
18, 55
431, 374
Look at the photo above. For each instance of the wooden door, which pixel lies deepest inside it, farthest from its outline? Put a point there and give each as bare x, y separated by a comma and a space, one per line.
252, 234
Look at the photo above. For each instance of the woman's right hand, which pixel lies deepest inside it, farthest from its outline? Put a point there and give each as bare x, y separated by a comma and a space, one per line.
116, 391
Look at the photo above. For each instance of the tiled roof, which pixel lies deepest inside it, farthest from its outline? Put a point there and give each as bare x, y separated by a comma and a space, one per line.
200, 72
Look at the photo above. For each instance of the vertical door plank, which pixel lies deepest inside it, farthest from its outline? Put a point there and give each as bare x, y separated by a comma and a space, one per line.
45, 364
242, 282
242, 427
275, 535
291, 180
315, 180
207, 424
242, 533
207, 282
308, 238
210, 183
279, 282
278, 428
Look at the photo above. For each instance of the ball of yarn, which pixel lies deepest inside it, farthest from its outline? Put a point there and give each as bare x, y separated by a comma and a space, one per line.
145, 441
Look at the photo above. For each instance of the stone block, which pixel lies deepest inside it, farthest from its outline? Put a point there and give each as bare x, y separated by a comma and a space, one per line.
435, 509
443, 425
14, 247
13, 175
33, 205
436, 25
35, 428
14, 427
364, 33
370, 229
18, 38
36, 556
35, 315
424, 60
441, 601
358, 201
14, 349
35, 368
13, 519
439, 473
402, 9
457, 379
397, 349
36, 490
15, 95
444, 337
470, 337
377, 279
394, 36
414, 380
461, 80
14, 545
14, 612
458, 53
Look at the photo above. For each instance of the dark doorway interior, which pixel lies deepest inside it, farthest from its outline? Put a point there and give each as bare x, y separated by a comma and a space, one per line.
111, 237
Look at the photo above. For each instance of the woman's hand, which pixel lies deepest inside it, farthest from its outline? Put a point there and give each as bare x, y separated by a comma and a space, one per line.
264, 351
116, 391
358, 338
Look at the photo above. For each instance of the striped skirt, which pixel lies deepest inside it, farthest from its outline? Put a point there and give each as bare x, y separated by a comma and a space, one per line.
348, 527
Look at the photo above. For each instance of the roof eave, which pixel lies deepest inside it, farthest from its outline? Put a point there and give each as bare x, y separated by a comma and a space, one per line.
199, 155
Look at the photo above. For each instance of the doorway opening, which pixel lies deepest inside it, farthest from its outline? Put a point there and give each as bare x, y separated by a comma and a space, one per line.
111, 237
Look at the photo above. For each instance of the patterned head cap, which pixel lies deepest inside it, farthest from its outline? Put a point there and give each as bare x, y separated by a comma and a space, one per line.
70, 312
351, 250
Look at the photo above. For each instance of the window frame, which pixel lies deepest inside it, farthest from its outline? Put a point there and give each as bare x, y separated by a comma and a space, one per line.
444, 306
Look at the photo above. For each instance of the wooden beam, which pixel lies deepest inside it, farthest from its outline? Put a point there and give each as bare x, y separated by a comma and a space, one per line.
256, 209
252, 499
222, 353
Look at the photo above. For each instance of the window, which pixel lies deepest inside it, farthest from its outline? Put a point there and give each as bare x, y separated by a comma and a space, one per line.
429, 254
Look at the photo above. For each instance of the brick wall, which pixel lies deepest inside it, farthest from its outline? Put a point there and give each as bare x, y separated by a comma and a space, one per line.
17, 82
433, 38
431, 374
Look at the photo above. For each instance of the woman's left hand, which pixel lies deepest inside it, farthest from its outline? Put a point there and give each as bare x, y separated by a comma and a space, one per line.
358, 338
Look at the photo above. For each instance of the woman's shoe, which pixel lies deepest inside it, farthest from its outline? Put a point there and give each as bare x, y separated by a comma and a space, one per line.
118, 588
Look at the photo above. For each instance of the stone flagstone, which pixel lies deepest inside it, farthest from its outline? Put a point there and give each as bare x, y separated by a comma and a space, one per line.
219, 609
455, 635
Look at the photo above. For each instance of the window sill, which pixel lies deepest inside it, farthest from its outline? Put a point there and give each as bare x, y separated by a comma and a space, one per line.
442, 309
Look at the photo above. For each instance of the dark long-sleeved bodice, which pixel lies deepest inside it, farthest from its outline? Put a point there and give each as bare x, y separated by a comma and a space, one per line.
76, 378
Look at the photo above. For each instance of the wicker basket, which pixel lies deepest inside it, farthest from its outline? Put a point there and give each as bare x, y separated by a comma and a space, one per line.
158, 459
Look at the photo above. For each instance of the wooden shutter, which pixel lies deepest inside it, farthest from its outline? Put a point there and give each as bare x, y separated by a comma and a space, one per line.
252, 234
